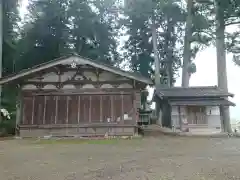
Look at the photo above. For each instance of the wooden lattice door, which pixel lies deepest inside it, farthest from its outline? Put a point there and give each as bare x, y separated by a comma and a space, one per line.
197, 115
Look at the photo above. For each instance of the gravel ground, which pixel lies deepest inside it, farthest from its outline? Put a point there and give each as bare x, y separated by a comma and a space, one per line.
146, 159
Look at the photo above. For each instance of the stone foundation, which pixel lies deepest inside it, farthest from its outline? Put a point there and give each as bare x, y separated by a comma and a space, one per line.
77, 131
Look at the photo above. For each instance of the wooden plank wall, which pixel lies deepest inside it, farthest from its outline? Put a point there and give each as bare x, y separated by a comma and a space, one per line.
76, 109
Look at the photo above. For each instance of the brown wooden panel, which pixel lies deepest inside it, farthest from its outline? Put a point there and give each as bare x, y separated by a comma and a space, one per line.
128, 105
38, 110
84, 108
106, 108
87, 109
95, 108
50, 110
138, 99
73, 110
62, 110
27, 110
117, 111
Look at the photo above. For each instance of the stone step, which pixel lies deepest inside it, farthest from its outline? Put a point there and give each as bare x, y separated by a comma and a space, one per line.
150, 130
204, 130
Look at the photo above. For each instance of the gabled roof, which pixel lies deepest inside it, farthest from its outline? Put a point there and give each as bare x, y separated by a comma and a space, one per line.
201, 91
194, 96
78, 60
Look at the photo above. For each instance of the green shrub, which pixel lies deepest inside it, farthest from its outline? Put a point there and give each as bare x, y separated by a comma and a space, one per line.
7, 127
8, 102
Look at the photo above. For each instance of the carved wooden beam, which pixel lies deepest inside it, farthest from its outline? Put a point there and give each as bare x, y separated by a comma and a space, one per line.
65, 68
29, 93
79, 82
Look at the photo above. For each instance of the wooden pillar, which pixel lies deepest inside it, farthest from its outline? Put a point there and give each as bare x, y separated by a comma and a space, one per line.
33, 108
90, 109
19, 113
23, 113
159, 112
180, 117
56, 110
122, 107
137, 104
44, 109
221, 119
101, 109
135, 114
112, 108
79, 105
67, 109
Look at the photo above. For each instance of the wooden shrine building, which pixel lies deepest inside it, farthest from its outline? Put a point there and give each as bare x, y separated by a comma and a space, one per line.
193, 109
75, 96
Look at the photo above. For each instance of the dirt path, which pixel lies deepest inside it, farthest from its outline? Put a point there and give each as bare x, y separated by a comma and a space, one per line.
147, 159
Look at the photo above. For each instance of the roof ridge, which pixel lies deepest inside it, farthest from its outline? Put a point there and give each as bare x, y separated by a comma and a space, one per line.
133, 72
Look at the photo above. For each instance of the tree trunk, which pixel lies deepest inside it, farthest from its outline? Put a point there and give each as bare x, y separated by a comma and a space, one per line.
187, 45
1, 51
221, 63
156, 58
168, 54
157, 65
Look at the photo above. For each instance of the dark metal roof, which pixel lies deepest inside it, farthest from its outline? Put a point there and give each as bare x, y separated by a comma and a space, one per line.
94, 63
201, 102
201, 91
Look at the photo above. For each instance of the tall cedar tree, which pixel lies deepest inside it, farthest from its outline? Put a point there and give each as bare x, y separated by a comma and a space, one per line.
10, 34
45, 33
139, 49
92, 29
171, 17
226, 14
57, 27
10, 17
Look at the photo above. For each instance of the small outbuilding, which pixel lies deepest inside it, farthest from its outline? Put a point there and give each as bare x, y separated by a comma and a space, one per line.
76, 96
191, 109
